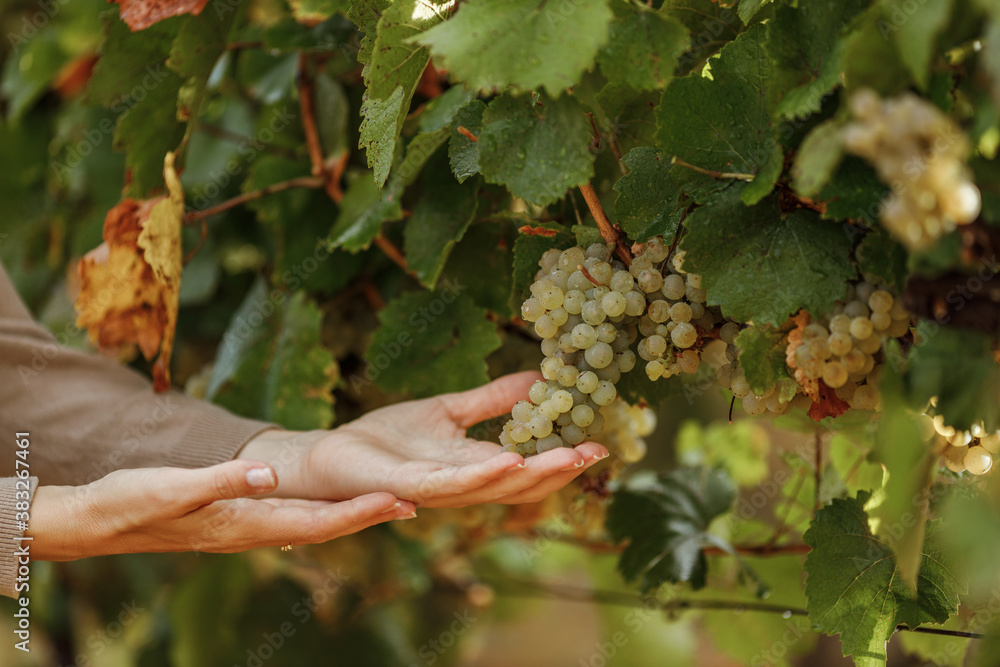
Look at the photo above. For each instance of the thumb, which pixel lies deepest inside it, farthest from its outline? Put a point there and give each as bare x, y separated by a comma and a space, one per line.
233, 479
490, 400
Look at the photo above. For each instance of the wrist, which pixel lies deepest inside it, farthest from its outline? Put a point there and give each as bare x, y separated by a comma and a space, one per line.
57, 525
287, 452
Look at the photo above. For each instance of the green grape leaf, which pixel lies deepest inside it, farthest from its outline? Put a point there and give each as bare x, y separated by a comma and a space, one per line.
301, 256
805, 49
883, 257
485, 250
643, 48
667, 526
362, 213
271, 364
538, 150
289, 35
749, 8
869, 58
724, 123
133, 80
462, 151
365, 207
648, 196
636, 388
554, 43
915, 32
528, 250
440, 111
773, 265
854, 192
711, 24
439, 221
430, 343
391, 77
365, 14
817, 158
333, 114
956, 366
315, 11
853, 588
762, 356
586, 236
200, 42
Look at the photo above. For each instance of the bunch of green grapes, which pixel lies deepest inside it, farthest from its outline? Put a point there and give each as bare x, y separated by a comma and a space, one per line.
584, 309
921, 153
676, 316
972, 450
844, 349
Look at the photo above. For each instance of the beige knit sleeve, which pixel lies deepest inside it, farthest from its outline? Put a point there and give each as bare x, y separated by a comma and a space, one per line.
88, 416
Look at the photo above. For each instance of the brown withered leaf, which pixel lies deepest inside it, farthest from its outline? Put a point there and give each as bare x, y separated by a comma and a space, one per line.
130, 284
826, 403
140, 14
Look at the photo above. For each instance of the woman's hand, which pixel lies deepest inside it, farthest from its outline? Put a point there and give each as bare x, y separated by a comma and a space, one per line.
206, 509
418, 450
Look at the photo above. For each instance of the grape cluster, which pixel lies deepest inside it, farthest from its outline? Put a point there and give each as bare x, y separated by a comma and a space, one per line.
971, 450
921, 153
844, 349
584, 309
676, 316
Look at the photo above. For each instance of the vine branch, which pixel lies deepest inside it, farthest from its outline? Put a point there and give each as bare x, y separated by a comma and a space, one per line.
765, 549
298, 182
331, 172
550, 590
609, 232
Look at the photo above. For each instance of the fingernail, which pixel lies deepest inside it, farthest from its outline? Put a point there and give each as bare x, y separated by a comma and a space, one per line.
575, 466
394, 507
261, 478
411, 515
601, 457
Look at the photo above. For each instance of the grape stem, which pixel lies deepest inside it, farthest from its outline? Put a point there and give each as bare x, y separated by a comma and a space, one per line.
586, 274
331, 170
711, 172
609, 232
298, 182
548, 590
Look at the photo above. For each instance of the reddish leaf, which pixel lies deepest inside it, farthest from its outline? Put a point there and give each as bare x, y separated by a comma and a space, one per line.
528, 230
140, 14
827, 404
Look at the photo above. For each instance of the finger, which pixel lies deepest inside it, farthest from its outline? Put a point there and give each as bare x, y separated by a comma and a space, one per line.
491, 400
201, 486
542, 475
299, 525
458, 480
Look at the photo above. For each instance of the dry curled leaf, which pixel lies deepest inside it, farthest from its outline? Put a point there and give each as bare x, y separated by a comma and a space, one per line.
140, 14
130, 283
826, 403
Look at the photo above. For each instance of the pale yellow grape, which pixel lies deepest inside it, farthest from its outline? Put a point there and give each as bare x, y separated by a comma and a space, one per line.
864, 399
673, 287
960, 439
531, 309
606, 333
854, 309
869, 345
605, 393
659, 311
583, 415
599, 355
583, 336
840, 323
562, 400
549, 443
521, 412
991, 443
753, 405
978, 461
587, 382
729, 331
626, 360
680, 312
839, 343
519, 432
545, 327
592, 313
549, 410
954, 458
622, 282
567, 376
537, 392
573, 434
635, 303
834, 374
861, 328
684, 335
638, 265
880, 301
540, 426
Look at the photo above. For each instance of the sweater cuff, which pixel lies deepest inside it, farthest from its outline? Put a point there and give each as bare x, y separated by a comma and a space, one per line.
9, 532
215, 437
